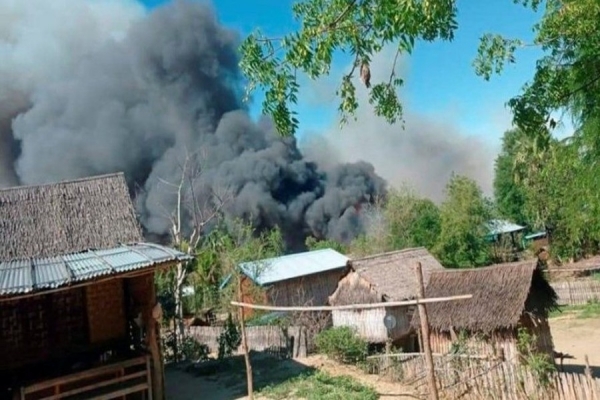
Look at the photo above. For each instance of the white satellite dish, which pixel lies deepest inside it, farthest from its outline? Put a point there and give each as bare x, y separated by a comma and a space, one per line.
389, 321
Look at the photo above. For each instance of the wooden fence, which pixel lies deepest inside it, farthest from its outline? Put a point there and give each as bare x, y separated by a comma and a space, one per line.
577, 292
271, 339
484, 378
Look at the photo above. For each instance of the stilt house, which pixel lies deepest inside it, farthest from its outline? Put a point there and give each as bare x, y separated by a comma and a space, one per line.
78, 315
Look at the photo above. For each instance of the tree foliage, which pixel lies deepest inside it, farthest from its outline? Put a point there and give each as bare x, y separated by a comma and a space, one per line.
402, 220
464, 215
358, 28
509, 192
558, 178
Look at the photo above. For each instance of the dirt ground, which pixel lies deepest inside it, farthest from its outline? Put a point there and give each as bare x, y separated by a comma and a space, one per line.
577, 337
182, 384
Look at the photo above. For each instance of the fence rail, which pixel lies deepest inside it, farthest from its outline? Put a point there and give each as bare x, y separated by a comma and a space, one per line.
580, 292
479, 378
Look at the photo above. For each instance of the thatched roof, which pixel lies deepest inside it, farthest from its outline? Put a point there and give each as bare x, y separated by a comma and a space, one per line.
501, 293
384, 277
66, 217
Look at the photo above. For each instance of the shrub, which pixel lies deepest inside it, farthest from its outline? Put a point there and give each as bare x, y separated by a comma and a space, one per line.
230, 339
540, 364
342, 344
193, 350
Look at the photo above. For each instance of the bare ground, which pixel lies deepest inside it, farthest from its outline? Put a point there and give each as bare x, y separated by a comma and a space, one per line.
230, 383
577, 337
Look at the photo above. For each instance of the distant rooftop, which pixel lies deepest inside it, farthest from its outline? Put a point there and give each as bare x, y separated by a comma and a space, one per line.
272, 270
499, 227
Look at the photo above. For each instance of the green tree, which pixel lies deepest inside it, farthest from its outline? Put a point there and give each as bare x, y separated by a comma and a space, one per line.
566, 78
413, 221
509, 191
359, 28
402, 220
313, 243
464, 214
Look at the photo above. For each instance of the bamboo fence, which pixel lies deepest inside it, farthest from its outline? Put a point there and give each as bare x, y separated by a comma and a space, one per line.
579, 292
475, 377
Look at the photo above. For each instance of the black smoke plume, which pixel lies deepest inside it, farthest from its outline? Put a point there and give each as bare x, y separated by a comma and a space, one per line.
140, 98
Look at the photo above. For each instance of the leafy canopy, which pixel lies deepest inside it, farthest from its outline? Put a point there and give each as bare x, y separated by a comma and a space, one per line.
464, 215
360, 28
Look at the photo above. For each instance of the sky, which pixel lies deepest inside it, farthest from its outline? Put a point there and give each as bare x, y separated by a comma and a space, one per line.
440, 79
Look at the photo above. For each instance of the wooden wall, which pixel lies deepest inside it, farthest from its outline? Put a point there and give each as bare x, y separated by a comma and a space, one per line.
506, 341
55, 325
369, 322
35, 328
105, 309
309, 290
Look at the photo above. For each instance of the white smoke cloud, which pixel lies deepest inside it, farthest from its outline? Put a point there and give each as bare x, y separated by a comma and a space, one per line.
423, 153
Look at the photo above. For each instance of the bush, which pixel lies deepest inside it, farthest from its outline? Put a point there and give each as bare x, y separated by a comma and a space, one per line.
230, 339
342, 344
193, 350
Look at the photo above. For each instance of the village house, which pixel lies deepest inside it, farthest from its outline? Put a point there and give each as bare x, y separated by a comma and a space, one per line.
300, 279
506, 240
382, 278
78, 313
506, 297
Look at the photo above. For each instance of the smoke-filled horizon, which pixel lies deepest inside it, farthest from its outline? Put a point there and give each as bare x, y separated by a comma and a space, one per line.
108, 87
420, 151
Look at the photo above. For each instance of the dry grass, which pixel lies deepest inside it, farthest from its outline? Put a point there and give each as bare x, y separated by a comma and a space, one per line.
390, 275
500, 295
66, 217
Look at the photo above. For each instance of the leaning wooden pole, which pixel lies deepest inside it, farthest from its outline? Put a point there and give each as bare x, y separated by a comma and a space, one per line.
425, 335
249, 379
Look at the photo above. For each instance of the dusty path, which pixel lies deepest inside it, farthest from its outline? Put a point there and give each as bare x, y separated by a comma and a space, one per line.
578, 337
231, 383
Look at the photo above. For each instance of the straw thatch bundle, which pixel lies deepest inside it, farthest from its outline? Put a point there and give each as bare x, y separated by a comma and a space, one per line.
384, 277
501, 294
66, 217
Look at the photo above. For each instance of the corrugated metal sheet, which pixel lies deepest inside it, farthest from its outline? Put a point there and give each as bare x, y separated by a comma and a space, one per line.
498, 227
535, 235
277, 269
25, 276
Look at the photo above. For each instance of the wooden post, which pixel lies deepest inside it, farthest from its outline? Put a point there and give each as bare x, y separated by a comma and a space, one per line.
590, 379
425, 334
152, 340
245, 344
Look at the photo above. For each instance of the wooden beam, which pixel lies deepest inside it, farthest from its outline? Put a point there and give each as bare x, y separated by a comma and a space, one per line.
469, 356
152, 337
249, 379
425, 330
353, 306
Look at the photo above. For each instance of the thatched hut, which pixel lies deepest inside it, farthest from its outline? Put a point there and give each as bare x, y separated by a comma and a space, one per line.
506, 297
77, 302
382, 278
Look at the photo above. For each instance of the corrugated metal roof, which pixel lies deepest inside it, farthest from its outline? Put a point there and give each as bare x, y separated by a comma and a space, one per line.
535, 235
498, 227
277, 269
25, 276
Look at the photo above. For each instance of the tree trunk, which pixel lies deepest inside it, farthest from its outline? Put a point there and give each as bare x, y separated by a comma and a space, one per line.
179, 323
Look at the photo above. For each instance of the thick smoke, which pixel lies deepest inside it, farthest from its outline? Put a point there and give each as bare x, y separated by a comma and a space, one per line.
423, 152
139, 94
